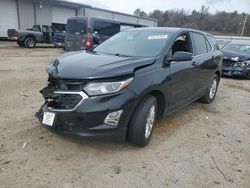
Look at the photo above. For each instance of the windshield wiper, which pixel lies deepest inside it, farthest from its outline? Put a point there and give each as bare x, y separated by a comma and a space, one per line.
122, 55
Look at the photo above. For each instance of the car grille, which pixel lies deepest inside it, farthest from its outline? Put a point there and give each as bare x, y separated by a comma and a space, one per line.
70, 85
64, 101
228, 63
61, 94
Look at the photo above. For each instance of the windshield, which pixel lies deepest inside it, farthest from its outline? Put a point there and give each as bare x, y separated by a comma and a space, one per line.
134, 43
239, 48
76, 26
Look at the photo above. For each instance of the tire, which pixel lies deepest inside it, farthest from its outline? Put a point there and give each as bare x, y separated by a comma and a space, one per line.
30, 42
248, 76
20, 43
142, 122
211, 91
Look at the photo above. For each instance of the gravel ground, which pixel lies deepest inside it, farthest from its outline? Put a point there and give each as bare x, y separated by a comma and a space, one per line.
199, 146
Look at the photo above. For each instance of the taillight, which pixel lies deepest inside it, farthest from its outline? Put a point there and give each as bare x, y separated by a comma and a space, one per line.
16, 34
88, 42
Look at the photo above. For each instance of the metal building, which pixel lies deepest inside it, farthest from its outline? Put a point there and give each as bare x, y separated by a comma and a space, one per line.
22, 14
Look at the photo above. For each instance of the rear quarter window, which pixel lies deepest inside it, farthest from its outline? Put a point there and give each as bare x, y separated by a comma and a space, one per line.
213, 41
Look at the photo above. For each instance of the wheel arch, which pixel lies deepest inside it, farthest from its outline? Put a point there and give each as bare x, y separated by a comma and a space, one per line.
160, 98
31, 36
218, 73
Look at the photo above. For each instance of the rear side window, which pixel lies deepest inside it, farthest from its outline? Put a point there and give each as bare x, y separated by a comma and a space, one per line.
209, 47
200, 45
36, 27
76, 26
106, 28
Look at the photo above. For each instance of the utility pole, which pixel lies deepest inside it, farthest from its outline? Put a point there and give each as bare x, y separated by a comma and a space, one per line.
244, 25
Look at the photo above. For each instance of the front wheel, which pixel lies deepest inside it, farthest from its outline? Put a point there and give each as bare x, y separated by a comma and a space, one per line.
30, 42
212, 90
142, 122
20, 43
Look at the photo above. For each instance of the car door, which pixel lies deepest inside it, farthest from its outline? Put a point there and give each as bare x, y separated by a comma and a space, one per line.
76, 34
183, 75
204, 60
47, 34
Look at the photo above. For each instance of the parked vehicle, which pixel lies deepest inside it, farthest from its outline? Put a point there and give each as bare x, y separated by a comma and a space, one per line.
120, 88
80, 32
30, 37
59, 39
236, 60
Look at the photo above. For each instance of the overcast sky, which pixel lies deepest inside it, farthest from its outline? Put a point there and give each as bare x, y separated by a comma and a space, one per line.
128, 6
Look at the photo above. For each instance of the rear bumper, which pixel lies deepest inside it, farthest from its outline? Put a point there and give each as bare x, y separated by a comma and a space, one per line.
87, 119
12, 38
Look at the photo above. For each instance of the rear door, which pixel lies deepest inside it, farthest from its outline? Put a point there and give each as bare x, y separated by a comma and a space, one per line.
76, 33
204, 59
183, 75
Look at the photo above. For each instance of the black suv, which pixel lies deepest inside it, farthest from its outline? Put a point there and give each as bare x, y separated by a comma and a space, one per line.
120, 88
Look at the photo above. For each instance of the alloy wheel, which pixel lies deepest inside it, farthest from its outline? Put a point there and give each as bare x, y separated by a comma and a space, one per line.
150, 121
213, 89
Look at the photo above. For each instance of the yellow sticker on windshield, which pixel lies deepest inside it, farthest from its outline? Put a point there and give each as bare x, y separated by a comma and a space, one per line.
157, 37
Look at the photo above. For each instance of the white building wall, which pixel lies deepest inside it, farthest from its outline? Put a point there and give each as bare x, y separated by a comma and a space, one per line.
26, 13
43, 14
125, 18
89, 12
8, 16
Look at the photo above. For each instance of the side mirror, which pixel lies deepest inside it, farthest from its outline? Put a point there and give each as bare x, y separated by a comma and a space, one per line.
182, 56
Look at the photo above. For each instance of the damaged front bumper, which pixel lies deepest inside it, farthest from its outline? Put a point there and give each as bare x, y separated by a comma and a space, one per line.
75, 113
236, 71
232, 68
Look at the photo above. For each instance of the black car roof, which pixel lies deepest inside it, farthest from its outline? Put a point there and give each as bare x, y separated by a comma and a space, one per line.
172, 30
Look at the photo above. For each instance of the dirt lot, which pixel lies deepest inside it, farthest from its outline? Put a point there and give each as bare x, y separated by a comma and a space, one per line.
199, 146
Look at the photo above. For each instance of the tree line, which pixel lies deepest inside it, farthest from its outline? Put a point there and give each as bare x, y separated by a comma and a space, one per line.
220, 23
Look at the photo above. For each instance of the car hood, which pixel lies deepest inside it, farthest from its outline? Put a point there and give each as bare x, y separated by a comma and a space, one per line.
84, 65
234, 56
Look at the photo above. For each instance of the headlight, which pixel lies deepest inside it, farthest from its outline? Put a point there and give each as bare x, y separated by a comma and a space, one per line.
238, 64
101, 88
51, 69
247, 63
242, 64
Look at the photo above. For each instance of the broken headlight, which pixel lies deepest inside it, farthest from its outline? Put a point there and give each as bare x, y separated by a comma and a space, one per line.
242, 64
102, 88
51, 69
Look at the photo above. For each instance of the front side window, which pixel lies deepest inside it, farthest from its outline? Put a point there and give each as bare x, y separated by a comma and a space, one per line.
200, 46
36, 28
46, 29
182, 44
135, 43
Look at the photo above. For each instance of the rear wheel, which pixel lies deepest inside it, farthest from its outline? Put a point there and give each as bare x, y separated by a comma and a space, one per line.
30, 42
248, 76
142, 122
212, 90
